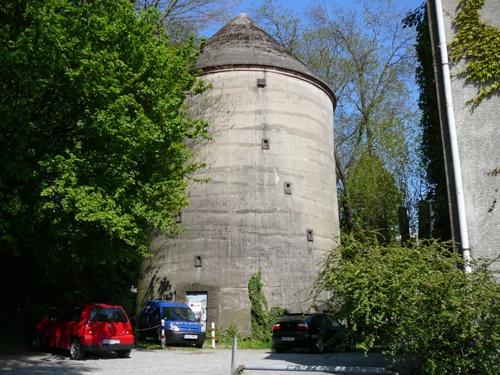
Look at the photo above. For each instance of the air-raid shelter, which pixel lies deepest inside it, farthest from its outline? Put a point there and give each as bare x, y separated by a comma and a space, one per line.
269, 202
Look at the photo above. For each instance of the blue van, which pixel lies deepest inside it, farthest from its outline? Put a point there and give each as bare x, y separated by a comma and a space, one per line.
170, 323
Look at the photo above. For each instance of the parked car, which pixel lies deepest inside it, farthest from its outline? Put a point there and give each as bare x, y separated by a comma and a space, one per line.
93, 327
179, 323
317, 332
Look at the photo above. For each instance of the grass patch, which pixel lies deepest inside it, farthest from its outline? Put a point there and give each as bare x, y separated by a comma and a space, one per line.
245, 343
149, 345
153, 345
249, 343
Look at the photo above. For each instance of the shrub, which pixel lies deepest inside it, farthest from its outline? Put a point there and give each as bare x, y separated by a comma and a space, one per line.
262, 317
259, 312
226, 335
417, 300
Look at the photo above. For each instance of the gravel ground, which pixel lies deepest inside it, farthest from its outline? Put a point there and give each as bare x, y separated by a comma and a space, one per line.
174, 361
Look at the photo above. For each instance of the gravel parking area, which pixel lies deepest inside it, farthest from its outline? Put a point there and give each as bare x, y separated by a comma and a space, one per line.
174, 361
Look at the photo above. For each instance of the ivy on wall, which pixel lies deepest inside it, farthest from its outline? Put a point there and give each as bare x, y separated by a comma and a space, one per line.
258, 309
431, 147
262, 317
479, 44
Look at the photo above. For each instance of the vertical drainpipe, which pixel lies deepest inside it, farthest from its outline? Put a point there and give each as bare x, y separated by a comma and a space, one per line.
443, 50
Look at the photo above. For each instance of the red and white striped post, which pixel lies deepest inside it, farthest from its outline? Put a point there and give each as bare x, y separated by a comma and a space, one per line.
213, 335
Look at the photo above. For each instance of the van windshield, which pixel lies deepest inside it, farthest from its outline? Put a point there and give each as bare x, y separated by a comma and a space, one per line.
179, 313
107, 314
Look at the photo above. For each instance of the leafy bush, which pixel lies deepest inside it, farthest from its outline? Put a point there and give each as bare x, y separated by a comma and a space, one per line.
416, 300
226, 335
262, 317
225, 338
261, 322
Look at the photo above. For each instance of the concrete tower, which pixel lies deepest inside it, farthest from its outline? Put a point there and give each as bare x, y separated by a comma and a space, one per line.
270, 202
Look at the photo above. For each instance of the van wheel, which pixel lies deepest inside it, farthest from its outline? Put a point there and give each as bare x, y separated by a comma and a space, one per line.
199, 345
123, 353
75, 350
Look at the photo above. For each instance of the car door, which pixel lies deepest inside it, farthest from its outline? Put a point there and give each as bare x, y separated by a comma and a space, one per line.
48, 331
68, 327
143, 321
57, 330
146, 323
155, 320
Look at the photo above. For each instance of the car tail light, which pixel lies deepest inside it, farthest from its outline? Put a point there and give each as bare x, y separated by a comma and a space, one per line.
276, 327
88, 329
303, 327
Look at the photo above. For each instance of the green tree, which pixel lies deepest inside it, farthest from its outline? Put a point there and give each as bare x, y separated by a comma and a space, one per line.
366, 60
417, 300
93, 148
431, 147
181, 19
374, 198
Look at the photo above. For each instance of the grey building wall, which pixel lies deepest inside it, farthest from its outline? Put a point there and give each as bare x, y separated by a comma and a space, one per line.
478, 132
242, 219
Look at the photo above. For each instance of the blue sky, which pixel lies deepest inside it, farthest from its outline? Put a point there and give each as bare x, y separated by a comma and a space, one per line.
300, 6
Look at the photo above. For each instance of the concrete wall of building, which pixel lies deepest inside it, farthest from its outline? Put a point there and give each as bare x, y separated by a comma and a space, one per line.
242, 220
478, 131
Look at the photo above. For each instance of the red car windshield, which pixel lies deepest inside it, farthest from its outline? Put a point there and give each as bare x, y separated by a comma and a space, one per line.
108, 314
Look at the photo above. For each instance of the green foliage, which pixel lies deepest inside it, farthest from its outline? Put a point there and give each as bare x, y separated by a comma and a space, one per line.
226, 335
224, 338
251, 343
93, 148
479, 44
374, 198
369, 69
431, 148
262, 318
417, 300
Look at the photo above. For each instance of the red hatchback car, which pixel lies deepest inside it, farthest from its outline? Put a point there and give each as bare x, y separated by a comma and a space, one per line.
88, 328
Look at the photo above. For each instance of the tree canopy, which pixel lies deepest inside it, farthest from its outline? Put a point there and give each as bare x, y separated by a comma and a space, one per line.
372, 209
366, 59
431, 147
93, 147
182, 19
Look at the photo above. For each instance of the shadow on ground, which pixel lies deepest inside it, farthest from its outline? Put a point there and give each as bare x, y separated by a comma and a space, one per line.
42, 363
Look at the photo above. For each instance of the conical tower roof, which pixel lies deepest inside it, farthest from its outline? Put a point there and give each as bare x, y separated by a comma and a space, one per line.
241, 43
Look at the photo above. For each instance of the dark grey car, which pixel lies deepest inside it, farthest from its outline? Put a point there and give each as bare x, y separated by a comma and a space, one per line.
317, 332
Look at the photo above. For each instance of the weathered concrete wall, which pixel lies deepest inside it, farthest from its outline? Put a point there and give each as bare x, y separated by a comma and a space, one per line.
242, 220
478, 133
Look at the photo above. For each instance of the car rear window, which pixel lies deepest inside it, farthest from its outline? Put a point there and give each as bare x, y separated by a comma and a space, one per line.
179, 313
108, 314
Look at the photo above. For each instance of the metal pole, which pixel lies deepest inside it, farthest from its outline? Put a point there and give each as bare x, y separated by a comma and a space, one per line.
462, 219
233, 354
